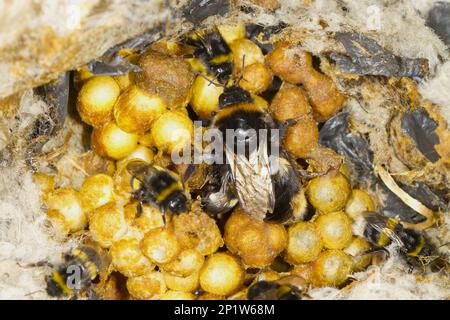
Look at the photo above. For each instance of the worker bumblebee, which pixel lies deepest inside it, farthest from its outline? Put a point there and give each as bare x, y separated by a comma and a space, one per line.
157, 186
210, 54
287, 288
258, 174
76, 276
382, 231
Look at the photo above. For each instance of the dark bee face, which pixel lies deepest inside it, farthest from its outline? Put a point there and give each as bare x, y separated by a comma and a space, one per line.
222, 71
234, 95
176, 202
53, 289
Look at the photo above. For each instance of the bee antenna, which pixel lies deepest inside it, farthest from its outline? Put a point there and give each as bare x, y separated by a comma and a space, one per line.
33, 292
207, 79
445, 244
242, 70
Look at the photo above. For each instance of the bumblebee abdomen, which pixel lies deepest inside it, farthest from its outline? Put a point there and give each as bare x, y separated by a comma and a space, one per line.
286, 188
269, 290
89, 260
161, 182
56, 284
415, 243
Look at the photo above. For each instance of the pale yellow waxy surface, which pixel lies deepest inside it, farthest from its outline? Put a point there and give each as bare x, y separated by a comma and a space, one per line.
45, 182
205, 97
112, 142
187, 262
108, 225
331, 268
335, 229
357, 249
177, 295
84, 74
140, 153
222, 274
184, 284
328, 193
232, 31
160, 246
147, 287
127, 258
96, 191
65, 210
172, 132
96, 100
135, 110
245, 47
125, 81
304, 243
358, 203
150, 218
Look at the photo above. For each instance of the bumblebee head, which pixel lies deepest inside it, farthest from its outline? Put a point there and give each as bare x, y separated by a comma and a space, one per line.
177, 202
53, 289
233, 95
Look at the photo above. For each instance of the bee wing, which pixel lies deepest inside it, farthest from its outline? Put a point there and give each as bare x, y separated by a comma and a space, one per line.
223, 200
252, 180
380, 223
138, 167
140, 171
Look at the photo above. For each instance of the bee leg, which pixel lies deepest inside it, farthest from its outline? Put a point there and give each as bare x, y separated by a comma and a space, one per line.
190, 170
139, 209
164, 216
36, 265
284, 125
410, 266
379, 254
92, 295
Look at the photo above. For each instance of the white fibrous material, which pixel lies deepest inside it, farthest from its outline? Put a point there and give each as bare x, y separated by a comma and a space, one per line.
25, 238
393, 282
437, 90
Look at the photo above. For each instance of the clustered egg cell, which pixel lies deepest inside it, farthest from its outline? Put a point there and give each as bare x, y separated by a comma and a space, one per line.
148, 116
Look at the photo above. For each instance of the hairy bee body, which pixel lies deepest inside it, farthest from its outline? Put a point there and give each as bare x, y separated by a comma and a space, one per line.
272, 290
258, 174
76, 275
213, 53
382, 231
157, 186
255, 172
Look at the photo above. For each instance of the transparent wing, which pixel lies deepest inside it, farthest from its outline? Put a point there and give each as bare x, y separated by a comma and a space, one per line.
138, 167
252, 180
380, 223
223, 200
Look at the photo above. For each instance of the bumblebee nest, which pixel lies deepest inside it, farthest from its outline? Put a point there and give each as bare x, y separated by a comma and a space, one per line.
26, 238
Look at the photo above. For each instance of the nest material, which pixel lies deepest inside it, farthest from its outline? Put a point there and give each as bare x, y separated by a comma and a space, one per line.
25, 237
